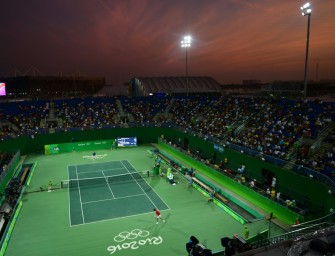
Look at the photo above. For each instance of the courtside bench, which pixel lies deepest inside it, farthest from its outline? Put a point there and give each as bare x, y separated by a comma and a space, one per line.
200, 182
24, 175
209, 189
173, 164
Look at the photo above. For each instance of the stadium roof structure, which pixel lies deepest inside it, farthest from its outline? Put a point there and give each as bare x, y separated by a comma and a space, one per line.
145, 86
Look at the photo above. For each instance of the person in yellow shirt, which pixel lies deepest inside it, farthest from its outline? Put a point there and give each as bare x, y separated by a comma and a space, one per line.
273, 194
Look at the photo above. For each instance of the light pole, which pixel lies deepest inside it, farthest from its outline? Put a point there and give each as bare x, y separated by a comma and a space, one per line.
306, 11
186, 43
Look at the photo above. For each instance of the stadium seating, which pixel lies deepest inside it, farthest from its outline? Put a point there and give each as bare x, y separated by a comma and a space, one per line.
269, 127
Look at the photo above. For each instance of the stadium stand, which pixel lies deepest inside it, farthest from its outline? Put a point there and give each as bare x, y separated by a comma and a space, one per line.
292, 133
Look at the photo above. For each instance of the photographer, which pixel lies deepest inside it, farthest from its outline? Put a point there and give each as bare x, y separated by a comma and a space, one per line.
194, 248
234, 245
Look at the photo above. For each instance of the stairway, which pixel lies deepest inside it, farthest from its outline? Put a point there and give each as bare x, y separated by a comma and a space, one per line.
165, 115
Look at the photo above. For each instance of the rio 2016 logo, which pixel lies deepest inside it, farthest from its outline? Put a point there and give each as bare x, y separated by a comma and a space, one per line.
95, 157
126, 240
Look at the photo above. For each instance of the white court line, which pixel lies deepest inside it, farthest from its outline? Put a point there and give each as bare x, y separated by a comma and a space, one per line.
68, 194
81, 203
124, 217
108, 184
150, 187
76, 169
120, 161
140, 185
99, 163
116, 198
102, 170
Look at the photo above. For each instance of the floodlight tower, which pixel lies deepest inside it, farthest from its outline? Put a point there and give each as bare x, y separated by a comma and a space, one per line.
186, 43
306, 11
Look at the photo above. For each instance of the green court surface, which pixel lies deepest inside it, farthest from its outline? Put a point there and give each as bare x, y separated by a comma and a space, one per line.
109, 190
48, 223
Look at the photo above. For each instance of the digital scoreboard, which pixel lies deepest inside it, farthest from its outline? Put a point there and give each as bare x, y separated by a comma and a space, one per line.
127, 142
2, 89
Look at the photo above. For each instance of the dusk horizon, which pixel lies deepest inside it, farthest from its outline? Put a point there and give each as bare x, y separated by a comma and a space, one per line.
232, 41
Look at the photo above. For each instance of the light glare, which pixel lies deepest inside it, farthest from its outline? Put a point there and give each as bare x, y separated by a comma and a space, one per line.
306, 5
186, 42
306, 10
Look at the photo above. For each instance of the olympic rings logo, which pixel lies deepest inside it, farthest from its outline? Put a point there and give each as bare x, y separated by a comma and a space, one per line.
131, 235
134, 244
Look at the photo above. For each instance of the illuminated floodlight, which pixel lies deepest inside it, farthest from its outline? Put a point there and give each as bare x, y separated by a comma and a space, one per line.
305, 6
186, 42
306, 10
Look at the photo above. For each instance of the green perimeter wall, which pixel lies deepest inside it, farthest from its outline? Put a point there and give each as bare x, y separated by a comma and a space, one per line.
245, 192
77, 146
288, 182
301, 188
36, 145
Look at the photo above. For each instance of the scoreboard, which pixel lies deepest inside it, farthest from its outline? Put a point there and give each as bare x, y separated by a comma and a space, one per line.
2, 89
127, 142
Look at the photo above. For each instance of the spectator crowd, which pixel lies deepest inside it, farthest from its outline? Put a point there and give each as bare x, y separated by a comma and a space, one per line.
273, 127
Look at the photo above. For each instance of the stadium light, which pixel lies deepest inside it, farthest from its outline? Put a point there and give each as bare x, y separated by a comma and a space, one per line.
306, 11
186, 43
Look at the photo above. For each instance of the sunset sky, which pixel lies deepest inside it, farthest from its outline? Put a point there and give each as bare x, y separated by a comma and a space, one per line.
232, 40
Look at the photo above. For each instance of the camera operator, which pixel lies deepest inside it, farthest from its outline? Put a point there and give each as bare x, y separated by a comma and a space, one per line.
234, 245
194, 248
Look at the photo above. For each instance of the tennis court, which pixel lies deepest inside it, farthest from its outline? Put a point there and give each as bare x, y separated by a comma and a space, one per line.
48, 223
108, 190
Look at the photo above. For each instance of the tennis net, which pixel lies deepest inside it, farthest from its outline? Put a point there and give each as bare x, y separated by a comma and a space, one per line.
101, 181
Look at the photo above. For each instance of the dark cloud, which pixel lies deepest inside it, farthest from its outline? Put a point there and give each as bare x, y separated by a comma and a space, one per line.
232, 40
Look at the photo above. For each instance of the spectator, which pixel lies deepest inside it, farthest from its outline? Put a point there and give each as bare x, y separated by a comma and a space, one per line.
191, 172
273, 194
274, 180
189, 180
288, 203
211, 196
268, 192
241, 169
253, 184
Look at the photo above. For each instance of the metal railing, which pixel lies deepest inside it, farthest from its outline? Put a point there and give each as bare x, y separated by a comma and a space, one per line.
8, 167
311, 227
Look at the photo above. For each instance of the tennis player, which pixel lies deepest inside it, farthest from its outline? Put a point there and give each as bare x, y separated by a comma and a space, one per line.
158, 215
94, 155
